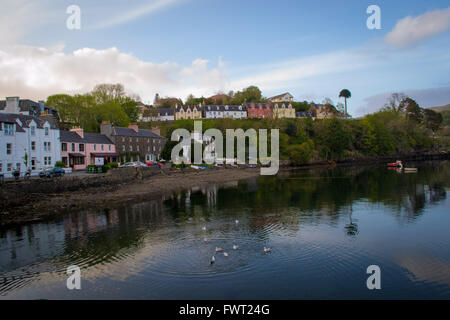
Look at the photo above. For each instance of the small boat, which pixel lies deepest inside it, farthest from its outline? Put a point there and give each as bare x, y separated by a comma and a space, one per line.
397, 163
407, 170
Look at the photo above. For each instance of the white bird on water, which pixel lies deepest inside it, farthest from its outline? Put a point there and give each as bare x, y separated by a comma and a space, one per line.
219, 249
225, 254
213, 259
204, 228
236, 221
235, 247
205, 239
266, 250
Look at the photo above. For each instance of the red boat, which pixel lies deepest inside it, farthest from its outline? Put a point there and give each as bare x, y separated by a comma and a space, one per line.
397, 163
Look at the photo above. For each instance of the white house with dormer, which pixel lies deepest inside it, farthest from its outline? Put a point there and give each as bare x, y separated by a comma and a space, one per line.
27, 142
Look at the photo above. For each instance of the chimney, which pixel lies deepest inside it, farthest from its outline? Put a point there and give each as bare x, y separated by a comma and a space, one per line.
134, 126
106, 128
12, 105
156, 130
41, 105
78, 131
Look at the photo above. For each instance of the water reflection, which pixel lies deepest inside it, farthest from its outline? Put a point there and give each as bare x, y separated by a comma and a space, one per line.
307, 217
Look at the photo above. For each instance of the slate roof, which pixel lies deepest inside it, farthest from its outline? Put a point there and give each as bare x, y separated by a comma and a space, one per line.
280, 95
29, 105
24, 119
303, 114
97, 138
257, 105
208, 108
163, 111
128, 132
71, 136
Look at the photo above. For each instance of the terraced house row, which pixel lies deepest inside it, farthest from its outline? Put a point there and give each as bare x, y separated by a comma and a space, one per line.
31, 140
248, 110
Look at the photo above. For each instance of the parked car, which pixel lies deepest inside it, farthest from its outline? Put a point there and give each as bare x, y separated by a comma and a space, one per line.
52, 172
151, 164
133, 164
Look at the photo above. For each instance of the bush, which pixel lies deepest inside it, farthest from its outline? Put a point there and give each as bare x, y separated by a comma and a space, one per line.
301, 153
60, 164
113, 164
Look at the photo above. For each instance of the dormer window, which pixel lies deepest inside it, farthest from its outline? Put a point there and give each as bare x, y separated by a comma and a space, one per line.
8, 129
46, 131
33, 130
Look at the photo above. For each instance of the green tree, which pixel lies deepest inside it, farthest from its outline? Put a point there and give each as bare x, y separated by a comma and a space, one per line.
413, 110
301, 154
433, 119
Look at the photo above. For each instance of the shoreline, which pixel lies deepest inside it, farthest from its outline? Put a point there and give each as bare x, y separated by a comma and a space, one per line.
40, 207
134, 186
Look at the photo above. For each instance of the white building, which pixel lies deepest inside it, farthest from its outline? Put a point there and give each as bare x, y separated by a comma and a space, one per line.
234, 112
27, 142
160, 114
212, 112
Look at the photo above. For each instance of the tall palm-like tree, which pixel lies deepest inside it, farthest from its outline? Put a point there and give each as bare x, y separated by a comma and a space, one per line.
345, 93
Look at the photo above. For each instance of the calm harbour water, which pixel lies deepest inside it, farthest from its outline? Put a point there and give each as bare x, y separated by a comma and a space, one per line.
325, 227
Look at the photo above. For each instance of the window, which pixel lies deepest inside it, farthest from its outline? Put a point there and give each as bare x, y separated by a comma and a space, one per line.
123, 139
8, 148
109, 147
33, 130
8, 129
9, 168
47, 161
18, 166
123, 148
95, 147
101, 147
137, 148
47, 147
46, 131
33, 145
131, 148
79, 160
73, 147
131, 139
63, 146
81, 147
1, 167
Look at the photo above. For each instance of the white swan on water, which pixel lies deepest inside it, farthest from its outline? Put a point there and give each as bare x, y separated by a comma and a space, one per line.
204, 228
235, 247
225, 254
219, 249
266, 250
213, 259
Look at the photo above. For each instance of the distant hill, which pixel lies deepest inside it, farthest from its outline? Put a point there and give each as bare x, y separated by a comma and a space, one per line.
441, 108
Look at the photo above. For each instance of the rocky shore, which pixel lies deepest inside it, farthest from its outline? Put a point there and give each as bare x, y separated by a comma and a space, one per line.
58, 196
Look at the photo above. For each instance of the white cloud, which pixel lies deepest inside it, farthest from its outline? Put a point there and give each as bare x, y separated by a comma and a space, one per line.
298, 71
147, 9
35, 73
410, 30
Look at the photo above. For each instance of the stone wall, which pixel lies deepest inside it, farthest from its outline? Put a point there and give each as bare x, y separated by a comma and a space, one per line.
13, 192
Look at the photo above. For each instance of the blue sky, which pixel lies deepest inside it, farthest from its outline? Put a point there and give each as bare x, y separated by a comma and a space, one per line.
175, 47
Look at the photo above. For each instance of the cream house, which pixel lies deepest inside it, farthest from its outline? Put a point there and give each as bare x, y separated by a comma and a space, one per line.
282, 110
188, 112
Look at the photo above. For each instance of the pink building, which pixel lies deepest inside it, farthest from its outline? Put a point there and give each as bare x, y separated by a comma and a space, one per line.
79, 149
